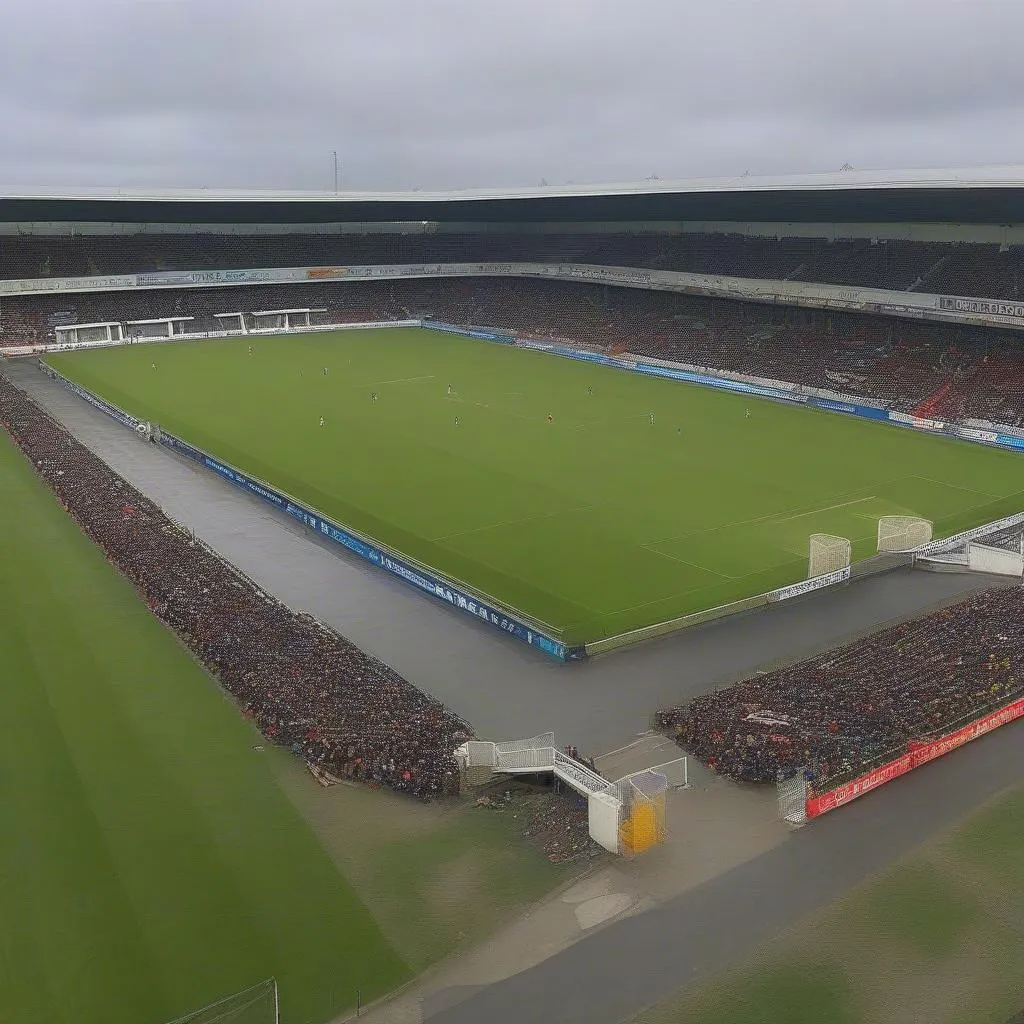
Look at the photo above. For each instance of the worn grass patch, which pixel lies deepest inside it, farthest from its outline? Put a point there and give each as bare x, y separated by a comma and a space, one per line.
994, 840
816, 992
436, 878
919, 906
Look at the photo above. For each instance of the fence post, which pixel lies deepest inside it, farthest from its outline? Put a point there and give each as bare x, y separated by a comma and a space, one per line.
793, 799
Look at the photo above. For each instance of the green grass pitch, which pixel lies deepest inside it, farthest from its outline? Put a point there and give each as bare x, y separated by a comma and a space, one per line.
149, 862
595, 523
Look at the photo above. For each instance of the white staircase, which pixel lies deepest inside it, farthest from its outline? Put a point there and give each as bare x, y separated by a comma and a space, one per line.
539, 754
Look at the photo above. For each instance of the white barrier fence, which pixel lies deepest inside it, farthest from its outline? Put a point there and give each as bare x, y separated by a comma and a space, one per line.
999, 561
605, 800
960, 541
22, 350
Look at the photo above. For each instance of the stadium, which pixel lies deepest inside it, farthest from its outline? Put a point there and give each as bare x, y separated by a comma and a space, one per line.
727, 475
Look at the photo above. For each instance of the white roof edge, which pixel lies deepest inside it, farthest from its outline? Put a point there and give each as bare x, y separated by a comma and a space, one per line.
1009, 176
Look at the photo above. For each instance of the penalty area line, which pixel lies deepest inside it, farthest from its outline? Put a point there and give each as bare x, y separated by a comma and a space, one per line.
955, 487
827, 508
397, 380
692, 565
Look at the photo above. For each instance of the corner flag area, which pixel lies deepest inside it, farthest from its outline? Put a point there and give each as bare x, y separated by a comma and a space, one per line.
590, 500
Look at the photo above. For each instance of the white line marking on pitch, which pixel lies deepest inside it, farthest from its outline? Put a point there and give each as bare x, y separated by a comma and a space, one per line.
828, 508
748, 522
675, 597
956, 487
398, 380
692, 565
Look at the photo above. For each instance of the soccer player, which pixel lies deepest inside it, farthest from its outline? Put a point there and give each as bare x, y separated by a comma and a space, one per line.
652, 419
747, 415
551, 419
373, 396
457, 421
321, 421
449, 389
250, 350
154, 366
590, 391
325, 371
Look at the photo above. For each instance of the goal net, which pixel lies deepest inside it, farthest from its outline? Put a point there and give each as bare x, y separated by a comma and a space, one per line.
903, 533
160, 330
643, 824
256, 1005
269, 321
828, 554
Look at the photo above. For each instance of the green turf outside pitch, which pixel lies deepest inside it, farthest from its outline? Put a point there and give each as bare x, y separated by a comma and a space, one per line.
590, 499
149, 862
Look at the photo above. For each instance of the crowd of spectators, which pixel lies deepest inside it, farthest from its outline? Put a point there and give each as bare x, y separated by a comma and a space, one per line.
840, 714
303, 686
943, 371
938, 267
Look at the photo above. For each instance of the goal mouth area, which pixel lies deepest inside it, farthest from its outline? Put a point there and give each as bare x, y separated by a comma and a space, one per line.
828, 553
903, 533
258, 1004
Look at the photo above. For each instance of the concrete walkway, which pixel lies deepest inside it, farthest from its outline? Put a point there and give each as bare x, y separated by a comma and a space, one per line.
610, 975
714, 826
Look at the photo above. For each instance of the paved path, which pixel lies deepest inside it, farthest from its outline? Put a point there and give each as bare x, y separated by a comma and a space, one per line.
611, 975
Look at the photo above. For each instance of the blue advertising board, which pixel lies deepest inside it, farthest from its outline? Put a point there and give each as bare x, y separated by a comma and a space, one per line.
831, 405
739, 386
442, 590
505, 337
94, 400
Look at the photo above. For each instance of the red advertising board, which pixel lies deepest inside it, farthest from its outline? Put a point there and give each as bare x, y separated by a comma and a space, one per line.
916, 755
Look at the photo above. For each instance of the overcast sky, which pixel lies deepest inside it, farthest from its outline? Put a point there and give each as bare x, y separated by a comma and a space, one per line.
473, 93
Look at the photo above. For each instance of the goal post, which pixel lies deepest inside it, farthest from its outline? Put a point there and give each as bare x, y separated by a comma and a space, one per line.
643, 798
256, 1005
828, 553
903, 533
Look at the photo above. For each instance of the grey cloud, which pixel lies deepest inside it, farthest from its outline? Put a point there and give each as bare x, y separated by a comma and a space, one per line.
464, 93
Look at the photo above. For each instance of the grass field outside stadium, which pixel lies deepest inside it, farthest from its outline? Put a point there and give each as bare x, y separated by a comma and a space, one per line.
939, 937
591, 500
150, 862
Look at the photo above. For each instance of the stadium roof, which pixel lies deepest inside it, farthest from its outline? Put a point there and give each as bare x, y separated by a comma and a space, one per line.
990, 195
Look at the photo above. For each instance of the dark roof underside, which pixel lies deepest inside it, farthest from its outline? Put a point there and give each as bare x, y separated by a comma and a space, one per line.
981, 205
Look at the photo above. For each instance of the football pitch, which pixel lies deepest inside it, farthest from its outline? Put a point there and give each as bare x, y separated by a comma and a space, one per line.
150, 864
591, 500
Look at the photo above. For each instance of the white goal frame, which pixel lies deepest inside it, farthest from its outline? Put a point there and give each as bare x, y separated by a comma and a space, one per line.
223, 1010
828, 553
903, 533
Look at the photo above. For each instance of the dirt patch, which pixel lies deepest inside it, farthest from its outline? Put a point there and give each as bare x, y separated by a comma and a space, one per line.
441, 876
353, 818
457, 883
554, 823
